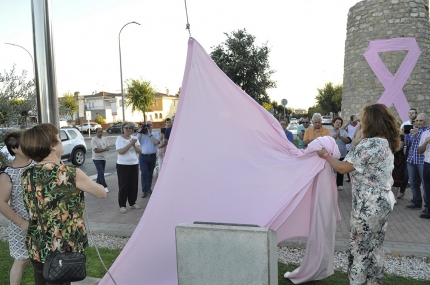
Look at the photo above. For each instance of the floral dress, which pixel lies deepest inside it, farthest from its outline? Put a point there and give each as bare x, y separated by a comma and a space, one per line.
371, 183
61, 206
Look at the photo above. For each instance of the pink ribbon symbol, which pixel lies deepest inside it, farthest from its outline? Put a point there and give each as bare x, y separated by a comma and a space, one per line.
393, 85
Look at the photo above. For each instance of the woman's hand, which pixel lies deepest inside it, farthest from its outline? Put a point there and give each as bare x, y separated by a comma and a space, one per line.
24, 226
322, 152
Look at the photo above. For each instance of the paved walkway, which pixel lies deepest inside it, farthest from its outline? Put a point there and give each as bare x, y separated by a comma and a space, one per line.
407, 233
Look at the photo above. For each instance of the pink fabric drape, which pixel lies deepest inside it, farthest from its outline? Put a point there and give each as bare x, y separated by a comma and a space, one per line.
229, 161
393, 84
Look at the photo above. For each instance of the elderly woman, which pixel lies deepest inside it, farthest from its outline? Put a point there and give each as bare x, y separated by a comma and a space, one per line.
342, 138
127, 167
58, 190
371, 163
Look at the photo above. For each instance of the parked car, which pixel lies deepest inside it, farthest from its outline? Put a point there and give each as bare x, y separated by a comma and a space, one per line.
293, 129
117, 128
293, 121
74, 146
91, 126
326, 120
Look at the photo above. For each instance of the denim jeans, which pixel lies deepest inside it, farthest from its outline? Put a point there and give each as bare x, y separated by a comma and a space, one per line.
100, 166
426, 176
147, 165
416, 177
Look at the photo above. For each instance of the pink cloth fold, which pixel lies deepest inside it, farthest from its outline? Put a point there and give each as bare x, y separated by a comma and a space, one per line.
229, 161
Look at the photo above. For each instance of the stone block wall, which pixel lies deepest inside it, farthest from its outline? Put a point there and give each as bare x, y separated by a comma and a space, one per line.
370, 20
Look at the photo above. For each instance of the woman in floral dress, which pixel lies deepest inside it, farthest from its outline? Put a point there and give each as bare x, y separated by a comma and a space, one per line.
371, 163
59, 198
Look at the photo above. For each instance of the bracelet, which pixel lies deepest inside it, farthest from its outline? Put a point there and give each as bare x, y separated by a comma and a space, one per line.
325, 155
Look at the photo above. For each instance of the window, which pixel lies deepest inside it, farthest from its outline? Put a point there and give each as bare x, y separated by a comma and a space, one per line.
161, 116
72, 134
63, 136
156, 116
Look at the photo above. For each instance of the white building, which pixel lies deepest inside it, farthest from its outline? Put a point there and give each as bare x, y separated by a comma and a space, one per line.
109, 105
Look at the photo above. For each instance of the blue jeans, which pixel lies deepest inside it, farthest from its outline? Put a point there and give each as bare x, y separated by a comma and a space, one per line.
147, 165
100, 166
416, 177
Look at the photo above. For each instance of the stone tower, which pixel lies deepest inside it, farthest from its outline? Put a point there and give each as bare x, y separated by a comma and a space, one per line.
371, 20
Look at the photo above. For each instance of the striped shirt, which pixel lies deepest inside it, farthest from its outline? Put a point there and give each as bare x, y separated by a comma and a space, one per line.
414, 142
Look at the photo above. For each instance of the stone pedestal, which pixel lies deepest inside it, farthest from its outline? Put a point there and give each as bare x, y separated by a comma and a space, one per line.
211, 254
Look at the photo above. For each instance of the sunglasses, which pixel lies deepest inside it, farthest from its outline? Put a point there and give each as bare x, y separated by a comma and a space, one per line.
305, 122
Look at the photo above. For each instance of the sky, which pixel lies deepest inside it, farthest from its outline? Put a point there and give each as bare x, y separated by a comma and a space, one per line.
306, 38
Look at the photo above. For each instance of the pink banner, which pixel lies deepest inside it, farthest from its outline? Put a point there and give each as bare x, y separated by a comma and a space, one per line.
228, 161
393, 84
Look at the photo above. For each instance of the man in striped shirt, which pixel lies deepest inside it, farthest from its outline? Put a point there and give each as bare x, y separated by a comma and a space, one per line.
415, 162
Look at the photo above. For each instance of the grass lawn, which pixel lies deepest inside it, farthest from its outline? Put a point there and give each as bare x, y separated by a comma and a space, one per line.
95, 269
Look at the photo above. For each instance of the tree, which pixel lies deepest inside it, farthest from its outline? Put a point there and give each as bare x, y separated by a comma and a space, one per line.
329, 98
315, 109
267, 106
140, 96
245, 64
68, 105
17, 98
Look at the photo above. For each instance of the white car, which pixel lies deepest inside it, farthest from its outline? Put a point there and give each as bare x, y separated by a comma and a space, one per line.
91, 126
293, 129
74, 146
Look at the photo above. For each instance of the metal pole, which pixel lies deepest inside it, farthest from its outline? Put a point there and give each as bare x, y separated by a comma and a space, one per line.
46, 83
120, 69
32, 61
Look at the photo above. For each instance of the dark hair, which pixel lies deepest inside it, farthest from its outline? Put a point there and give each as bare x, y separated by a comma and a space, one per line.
416, 112
12, 140
335, 119
378, 121
305, 117
36, 142
168, 120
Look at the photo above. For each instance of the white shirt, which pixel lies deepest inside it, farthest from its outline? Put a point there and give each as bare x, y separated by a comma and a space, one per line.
350, 129
405, 123
425, 135
99, 143
130, 157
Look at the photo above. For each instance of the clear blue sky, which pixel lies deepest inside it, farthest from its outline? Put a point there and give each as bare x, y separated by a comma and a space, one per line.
306, 37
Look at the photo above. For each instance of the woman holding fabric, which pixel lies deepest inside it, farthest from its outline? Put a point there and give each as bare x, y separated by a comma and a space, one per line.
371, 163
58, 191
127, 167
342, 138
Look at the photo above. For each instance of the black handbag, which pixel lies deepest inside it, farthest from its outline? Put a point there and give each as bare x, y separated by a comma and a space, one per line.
64, 266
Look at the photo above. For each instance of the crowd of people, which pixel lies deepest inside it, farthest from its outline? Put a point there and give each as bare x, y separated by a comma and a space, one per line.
38, 191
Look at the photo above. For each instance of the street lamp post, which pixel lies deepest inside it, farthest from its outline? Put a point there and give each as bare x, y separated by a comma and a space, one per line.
120, 69
32, 61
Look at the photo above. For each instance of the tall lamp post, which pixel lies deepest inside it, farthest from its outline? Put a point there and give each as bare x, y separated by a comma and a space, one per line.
32, 61
120, 69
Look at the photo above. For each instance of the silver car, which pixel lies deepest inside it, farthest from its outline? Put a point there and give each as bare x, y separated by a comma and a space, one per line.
326, 120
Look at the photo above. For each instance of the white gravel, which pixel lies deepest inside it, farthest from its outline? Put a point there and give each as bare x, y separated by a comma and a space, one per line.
412, 267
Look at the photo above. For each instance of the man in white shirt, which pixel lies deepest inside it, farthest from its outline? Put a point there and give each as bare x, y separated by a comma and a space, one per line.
149, 141
350, 128
100, 145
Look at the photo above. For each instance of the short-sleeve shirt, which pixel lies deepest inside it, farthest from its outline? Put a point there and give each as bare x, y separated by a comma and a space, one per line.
373, 162
61, 206
424, 136
301, 128
146, 143
311, 133
167, 134
289, 135
99, 143
130, 157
